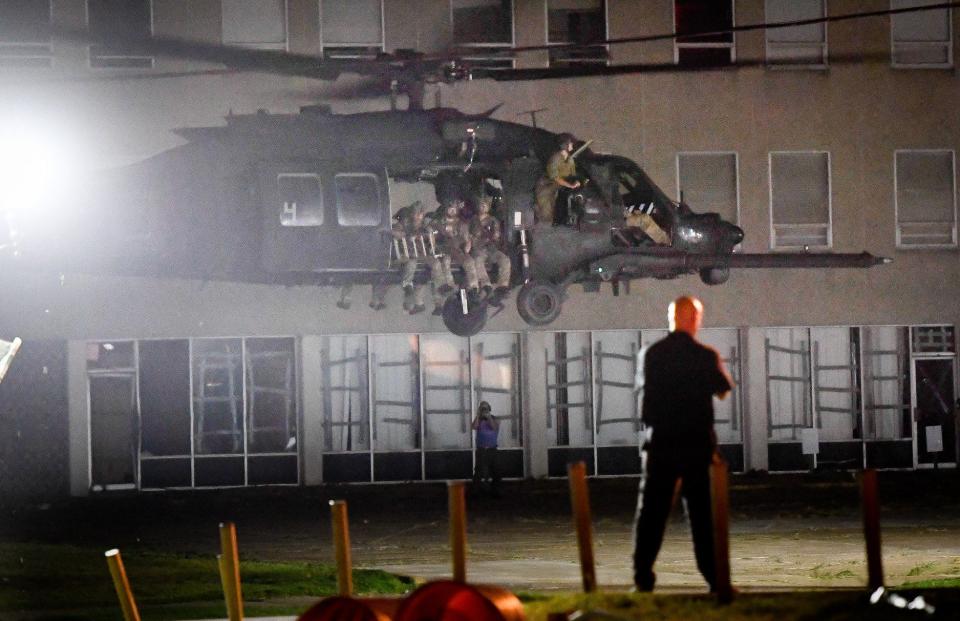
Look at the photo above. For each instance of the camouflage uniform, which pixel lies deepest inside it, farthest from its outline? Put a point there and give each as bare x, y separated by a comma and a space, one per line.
455, 243
560, 166
485, 231
409, 225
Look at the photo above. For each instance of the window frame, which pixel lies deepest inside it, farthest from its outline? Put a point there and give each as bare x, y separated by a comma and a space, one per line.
732, 46
91, 55
896, 202
376, 184
323, 204
381, 47
736, 171
45, 59
604, 61
284, 47
829, 223
824, 46
474, 51
949, 43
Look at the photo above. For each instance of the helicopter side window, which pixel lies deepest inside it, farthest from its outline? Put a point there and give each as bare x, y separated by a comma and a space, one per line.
358, 199
301, 199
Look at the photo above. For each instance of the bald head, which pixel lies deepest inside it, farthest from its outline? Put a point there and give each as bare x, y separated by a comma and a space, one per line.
685, 315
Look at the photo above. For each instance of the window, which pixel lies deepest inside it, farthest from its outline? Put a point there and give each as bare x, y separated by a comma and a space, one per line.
22, 41
692, 16
358, 199
260, 24
301, 199
708, 183
577, 21
120, 19
886, 378
926, 203
804, 46
921, 38
933, 339
352, 28
800, 200
481, 26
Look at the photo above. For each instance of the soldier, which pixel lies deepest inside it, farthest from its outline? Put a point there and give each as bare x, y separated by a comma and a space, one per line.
561, 172
454, 236
486, 236
412, 234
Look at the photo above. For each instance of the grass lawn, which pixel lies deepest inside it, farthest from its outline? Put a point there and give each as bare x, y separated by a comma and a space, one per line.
57, 582
74, 583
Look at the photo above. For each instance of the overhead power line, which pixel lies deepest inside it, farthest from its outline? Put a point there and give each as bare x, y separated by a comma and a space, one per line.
734, 29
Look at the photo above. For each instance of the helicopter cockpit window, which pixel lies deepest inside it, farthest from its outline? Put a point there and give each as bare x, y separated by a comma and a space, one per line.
358, 199
301, 199
633, 192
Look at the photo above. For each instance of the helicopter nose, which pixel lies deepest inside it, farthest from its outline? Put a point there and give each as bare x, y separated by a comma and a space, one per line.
735, 234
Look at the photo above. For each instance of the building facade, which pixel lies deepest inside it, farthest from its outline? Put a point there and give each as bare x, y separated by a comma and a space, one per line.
835, 137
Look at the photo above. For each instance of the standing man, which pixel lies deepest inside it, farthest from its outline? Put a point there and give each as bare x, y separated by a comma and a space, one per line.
561, 172
680, 377
487, 427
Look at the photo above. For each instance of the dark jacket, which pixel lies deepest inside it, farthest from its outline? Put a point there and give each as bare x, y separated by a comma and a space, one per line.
680, 378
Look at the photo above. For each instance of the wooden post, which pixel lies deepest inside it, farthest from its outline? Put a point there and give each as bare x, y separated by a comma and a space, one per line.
229, 563
720, 499
580, 499
456, 499
122, 585
870, 499
341, 547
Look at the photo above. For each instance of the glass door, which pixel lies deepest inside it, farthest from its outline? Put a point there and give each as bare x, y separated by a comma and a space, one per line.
934, 395
113, 408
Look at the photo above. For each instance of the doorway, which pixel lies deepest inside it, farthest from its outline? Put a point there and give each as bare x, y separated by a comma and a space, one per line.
934, 395
113, 407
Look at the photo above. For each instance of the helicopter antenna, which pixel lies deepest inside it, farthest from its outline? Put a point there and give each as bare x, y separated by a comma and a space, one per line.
533, 115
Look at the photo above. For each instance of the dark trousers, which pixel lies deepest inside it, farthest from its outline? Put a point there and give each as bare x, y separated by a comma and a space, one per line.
657, 484
486, 467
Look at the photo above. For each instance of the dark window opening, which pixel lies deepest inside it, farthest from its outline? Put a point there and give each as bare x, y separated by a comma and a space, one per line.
704, 16
119, 20
583, 23
164, 398
23, 41
482, 21
300, 198
358, 199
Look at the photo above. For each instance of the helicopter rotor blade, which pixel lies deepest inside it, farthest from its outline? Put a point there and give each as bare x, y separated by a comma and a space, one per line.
593, 70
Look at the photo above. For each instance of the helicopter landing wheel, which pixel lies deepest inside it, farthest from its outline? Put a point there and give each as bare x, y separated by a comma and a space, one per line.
539, 302
464, 324
715, 275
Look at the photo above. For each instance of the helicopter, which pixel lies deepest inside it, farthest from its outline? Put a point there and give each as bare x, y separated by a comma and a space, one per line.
306, 198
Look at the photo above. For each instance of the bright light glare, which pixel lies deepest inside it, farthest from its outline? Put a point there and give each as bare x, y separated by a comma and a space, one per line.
35, 165
38, 175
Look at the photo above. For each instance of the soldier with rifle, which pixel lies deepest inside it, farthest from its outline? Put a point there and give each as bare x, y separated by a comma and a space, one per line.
486, 236
455, 244
414, 242
561, 173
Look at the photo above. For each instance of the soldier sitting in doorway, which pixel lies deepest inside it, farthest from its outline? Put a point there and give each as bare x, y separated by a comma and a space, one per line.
415, 246
561, 173
455, 244
486, 235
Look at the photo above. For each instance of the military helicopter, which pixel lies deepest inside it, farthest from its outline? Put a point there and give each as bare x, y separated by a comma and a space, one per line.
305, 199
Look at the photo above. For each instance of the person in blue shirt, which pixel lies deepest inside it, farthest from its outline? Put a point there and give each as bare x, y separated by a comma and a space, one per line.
487, 427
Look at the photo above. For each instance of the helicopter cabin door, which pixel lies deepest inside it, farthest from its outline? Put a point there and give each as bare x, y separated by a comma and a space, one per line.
324, 217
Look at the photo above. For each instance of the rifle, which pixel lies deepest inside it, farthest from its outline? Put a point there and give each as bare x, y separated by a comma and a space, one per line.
581, 149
